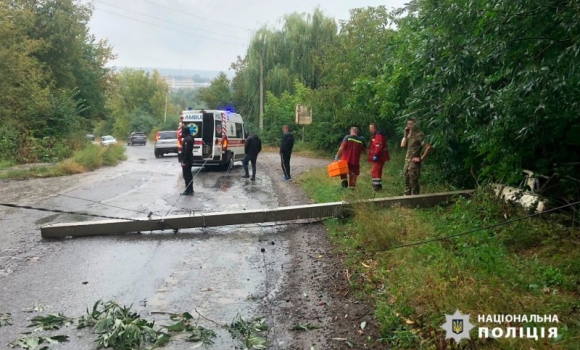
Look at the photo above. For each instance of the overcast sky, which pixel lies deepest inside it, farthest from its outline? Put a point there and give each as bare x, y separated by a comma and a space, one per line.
197, 34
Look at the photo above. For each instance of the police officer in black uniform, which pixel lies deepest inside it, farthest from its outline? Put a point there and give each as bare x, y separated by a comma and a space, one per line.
187, 160
286, 151
252, 148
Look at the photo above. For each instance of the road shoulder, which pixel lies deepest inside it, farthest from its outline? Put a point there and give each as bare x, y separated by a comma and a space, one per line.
316, 289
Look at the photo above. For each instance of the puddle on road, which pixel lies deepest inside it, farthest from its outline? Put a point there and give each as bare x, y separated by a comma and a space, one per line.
224, 182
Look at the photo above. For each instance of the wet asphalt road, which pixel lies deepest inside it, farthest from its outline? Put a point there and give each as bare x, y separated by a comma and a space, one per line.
219, 272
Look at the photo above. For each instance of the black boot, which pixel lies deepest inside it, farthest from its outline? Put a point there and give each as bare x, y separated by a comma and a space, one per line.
246, 176
344, 184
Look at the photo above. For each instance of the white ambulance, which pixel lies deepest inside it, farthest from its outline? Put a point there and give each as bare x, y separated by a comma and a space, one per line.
219, 137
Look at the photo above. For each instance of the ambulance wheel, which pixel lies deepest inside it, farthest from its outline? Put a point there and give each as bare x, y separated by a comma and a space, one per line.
227, 165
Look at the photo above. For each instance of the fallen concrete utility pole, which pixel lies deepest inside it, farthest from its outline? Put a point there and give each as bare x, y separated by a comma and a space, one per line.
310, 211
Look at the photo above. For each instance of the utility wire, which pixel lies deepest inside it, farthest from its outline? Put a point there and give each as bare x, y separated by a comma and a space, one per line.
196, 16
164, 20
161, 222
107, 205
175, 30
190, 182
482, 228
17, 206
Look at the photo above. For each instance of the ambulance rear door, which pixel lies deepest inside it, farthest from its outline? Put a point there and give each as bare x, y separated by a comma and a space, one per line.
194, 120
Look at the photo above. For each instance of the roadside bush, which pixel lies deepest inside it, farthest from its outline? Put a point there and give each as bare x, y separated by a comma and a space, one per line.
113, 154
89, 157
70, 167
9, 143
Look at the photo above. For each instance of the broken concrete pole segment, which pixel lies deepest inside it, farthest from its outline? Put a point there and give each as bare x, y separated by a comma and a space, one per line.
310, 211
526, 199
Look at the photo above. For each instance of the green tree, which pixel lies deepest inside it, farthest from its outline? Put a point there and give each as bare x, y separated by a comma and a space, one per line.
141, 121
53, 72
287, 54
183, 99
219, 94
491, 82
349, 67
136, 91
73, 57
279, 111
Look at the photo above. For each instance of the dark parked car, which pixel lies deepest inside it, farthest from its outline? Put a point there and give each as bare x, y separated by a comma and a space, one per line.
137, 138
165, 142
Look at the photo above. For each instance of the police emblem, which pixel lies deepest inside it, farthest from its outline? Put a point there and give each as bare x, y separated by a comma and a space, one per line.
457, 326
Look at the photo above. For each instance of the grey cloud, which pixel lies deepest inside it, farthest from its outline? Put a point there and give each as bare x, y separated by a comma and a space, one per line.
166, 45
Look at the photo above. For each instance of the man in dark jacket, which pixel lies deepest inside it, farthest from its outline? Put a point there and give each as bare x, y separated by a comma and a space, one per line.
187, 160
286, 151
252, 148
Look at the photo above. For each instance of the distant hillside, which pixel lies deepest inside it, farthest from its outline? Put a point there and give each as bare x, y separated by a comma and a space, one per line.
204, 74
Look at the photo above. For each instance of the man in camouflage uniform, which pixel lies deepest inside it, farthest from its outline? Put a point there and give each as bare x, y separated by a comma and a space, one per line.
414, 140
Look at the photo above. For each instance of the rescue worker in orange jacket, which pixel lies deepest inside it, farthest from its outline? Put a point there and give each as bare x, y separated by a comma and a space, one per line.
378, 155
350, 150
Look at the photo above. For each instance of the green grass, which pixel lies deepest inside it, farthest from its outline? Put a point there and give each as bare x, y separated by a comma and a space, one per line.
89, 158
6, 164
321, 188
528, 267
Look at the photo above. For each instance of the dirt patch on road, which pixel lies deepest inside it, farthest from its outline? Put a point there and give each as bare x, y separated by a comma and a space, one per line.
316, 289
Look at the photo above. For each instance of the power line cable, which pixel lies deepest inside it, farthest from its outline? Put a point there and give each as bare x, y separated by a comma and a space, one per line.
18, 206
482, 228
196, 16
108, 205
175, 30
161, 222
190, 182
164, 20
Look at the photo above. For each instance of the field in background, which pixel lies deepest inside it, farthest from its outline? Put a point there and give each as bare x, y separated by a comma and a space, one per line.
528, 267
